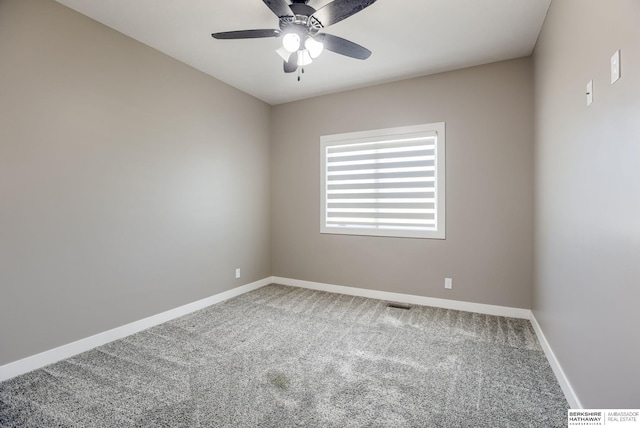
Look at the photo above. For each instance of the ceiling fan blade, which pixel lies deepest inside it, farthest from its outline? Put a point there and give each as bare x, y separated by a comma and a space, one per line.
291, 65
343, 46
246, 34
338, 10
302, 8
279, 7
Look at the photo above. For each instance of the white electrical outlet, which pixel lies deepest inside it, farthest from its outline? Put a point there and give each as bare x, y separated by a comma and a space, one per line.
448, 283
237, 272
615, 67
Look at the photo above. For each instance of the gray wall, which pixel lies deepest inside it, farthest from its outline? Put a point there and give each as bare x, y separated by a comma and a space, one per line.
587, 289
488, 252
129, 183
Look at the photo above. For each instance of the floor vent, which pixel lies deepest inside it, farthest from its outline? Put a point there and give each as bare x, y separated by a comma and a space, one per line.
398, 306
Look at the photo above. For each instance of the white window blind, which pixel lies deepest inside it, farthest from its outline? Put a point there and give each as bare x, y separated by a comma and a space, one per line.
386, 182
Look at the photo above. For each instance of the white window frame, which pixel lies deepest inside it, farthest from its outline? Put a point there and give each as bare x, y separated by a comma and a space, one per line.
424, 131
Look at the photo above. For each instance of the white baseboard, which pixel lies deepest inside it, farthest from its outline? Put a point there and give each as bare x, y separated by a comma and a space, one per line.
569, 393
480, 308
51, 356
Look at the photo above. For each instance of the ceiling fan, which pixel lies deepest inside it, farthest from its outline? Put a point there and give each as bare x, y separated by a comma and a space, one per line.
300, 26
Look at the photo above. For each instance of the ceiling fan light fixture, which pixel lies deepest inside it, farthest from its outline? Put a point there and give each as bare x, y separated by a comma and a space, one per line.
314, 47
291, 42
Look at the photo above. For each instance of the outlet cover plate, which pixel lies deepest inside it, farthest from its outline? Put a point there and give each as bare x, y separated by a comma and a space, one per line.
615, 67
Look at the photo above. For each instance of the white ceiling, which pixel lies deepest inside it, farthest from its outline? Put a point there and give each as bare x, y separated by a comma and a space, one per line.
408, 38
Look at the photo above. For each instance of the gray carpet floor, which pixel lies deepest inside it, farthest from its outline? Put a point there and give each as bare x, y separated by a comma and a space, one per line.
283, 357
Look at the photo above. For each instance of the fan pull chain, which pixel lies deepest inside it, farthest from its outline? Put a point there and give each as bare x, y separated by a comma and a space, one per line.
300, 69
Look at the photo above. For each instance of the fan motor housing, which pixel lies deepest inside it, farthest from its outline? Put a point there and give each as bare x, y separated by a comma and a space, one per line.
301, 24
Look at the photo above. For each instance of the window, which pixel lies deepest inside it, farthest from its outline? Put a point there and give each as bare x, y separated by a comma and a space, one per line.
387, 182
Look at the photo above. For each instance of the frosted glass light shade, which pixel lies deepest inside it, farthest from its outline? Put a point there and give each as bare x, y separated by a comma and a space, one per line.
304, 58
291, 42
284, 54
314, 47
